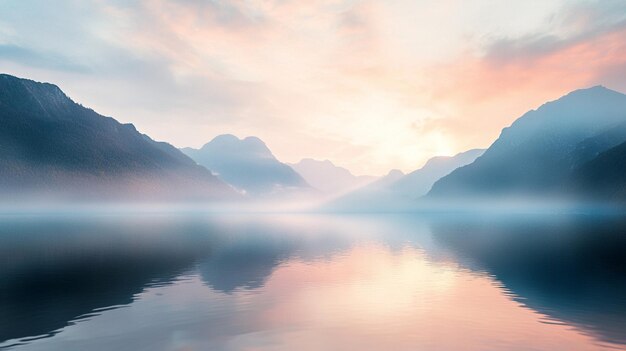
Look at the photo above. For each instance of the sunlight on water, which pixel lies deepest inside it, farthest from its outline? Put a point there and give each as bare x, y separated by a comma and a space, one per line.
309, 283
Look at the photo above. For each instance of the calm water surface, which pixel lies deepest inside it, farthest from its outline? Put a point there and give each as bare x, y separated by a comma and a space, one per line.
269, 282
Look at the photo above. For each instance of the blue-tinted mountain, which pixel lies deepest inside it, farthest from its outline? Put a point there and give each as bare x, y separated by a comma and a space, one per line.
50, 145
248, 165
329, 178
539, 150
383, 182
419, 182
398, 190
603, 177
592, 147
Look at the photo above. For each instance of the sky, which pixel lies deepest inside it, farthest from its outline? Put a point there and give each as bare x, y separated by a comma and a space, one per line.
370, 85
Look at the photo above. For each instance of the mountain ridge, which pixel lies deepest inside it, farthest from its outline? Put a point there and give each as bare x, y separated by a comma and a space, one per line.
329, 178
50, 144
399, 191
248, 165
537, 151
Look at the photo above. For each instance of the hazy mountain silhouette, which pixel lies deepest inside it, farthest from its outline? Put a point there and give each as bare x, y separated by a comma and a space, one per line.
419, 182
371, 197
247, 164
330, 179
397, 190
540, 149
51, 145
393, 176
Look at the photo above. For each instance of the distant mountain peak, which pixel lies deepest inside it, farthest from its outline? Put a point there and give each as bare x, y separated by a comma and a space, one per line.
247, 164
398, 190
253, 140
395, 173
250, 146
595, 88
594, 92
469, 154
225, 138
329, 178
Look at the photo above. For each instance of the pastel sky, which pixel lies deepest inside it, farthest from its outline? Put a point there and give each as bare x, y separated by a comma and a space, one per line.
370, 85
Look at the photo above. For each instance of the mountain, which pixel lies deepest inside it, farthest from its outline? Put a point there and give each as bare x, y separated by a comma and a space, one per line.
591, 147
248, 165
399, 191
539, 150
327, 177
371, 197
419, 182
384, 182
603, 177
52, 146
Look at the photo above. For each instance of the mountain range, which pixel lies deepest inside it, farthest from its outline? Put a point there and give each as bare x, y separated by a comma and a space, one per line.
546, 151
419, 182
398, 190
52, 146
329, 178
248, 165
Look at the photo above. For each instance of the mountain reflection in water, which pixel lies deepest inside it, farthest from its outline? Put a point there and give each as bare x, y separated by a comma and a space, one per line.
172, 282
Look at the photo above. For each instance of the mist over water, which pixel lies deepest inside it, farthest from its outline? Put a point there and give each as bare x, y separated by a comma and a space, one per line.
190, 279
312, 175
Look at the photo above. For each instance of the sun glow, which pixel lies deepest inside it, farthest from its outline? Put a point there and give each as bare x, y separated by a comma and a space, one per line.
368, 85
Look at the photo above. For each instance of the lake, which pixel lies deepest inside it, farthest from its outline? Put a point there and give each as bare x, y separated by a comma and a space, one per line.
197, 281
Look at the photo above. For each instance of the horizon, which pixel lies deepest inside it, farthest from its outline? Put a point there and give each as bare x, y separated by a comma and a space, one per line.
359, 83
312, 175
380, 176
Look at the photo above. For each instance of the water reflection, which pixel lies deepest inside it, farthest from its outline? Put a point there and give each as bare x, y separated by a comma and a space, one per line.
54, 271
249, 251
165, 282
573, 269
61, 269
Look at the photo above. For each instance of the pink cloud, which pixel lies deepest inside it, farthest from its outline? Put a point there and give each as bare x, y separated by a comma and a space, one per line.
370, 85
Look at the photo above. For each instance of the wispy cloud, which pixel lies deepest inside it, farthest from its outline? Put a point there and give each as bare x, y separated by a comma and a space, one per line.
371, 85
